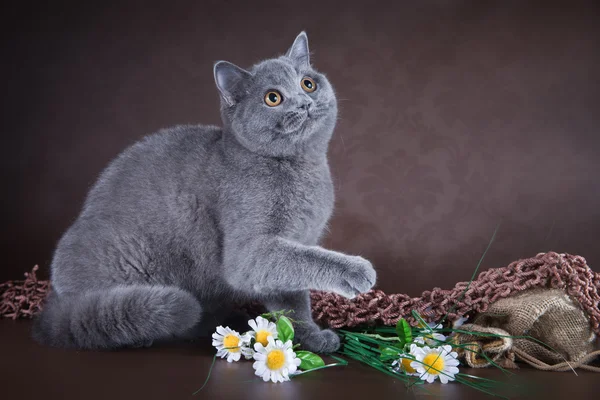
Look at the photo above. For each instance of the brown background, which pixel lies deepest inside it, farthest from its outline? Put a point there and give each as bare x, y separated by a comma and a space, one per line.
455, 116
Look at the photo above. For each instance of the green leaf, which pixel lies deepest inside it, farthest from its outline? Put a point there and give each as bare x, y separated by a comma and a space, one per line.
309, 360
285, 329
404, 331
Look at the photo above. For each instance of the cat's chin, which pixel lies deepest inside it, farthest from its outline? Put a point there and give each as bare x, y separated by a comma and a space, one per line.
295, 125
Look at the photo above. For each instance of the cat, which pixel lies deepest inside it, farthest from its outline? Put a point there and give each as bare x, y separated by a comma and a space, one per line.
191, 220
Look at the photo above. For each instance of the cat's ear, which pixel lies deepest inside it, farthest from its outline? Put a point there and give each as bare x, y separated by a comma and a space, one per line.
228, 78
299, 52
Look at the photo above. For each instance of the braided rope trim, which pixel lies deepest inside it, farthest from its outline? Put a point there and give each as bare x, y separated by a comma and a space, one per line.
23, 299
546, 270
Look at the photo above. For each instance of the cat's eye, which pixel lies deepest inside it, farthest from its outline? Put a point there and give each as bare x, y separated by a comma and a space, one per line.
308, 84
273, 98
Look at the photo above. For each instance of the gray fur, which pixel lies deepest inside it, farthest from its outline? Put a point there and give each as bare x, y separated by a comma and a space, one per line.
192, 219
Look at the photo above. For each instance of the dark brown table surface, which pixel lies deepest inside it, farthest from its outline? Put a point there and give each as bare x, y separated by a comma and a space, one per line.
175, 371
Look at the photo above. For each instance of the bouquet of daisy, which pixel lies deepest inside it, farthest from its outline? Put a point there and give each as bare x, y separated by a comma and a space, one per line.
269, 343
415, 355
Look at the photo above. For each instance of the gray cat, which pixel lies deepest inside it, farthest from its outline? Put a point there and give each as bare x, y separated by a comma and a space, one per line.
194, 219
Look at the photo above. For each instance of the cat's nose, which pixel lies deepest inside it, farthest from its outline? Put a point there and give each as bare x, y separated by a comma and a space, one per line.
306, 105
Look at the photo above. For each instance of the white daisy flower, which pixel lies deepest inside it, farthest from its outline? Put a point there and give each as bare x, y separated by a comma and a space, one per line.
403, 363
430, 336
229, 343
276, 361
262, 328
437, 362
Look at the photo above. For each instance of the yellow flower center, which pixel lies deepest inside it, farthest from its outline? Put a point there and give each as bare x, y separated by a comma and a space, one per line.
275, 359
231, 343
435, 362
261, 337
406, 365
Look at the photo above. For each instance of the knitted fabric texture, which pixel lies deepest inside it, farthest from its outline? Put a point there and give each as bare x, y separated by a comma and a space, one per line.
22, 299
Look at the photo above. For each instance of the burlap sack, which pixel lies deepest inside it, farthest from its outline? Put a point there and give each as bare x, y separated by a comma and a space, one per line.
548, 316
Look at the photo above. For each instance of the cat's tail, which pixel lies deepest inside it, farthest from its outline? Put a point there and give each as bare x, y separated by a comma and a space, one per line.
123, 316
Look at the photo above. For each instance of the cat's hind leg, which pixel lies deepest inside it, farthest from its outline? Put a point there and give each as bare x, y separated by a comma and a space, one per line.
123, 316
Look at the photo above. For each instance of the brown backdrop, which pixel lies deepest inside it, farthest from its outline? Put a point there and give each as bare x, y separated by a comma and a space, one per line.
455, 116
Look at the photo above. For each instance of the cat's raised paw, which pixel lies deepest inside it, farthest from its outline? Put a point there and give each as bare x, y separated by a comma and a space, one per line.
359, 276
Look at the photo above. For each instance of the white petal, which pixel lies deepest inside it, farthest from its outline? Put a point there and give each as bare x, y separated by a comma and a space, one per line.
451, 370
443, 378
259, 356
260, 370
291, 368
259, 347
261, 320
221, 330
222, 353
216, 336
245, 338
280, 377
430, 378
289, 353
266, 376
274, 376
253, 325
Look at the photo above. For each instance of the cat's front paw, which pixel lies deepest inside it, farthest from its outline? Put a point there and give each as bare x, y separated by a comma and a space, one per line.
325, 341
357, 276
